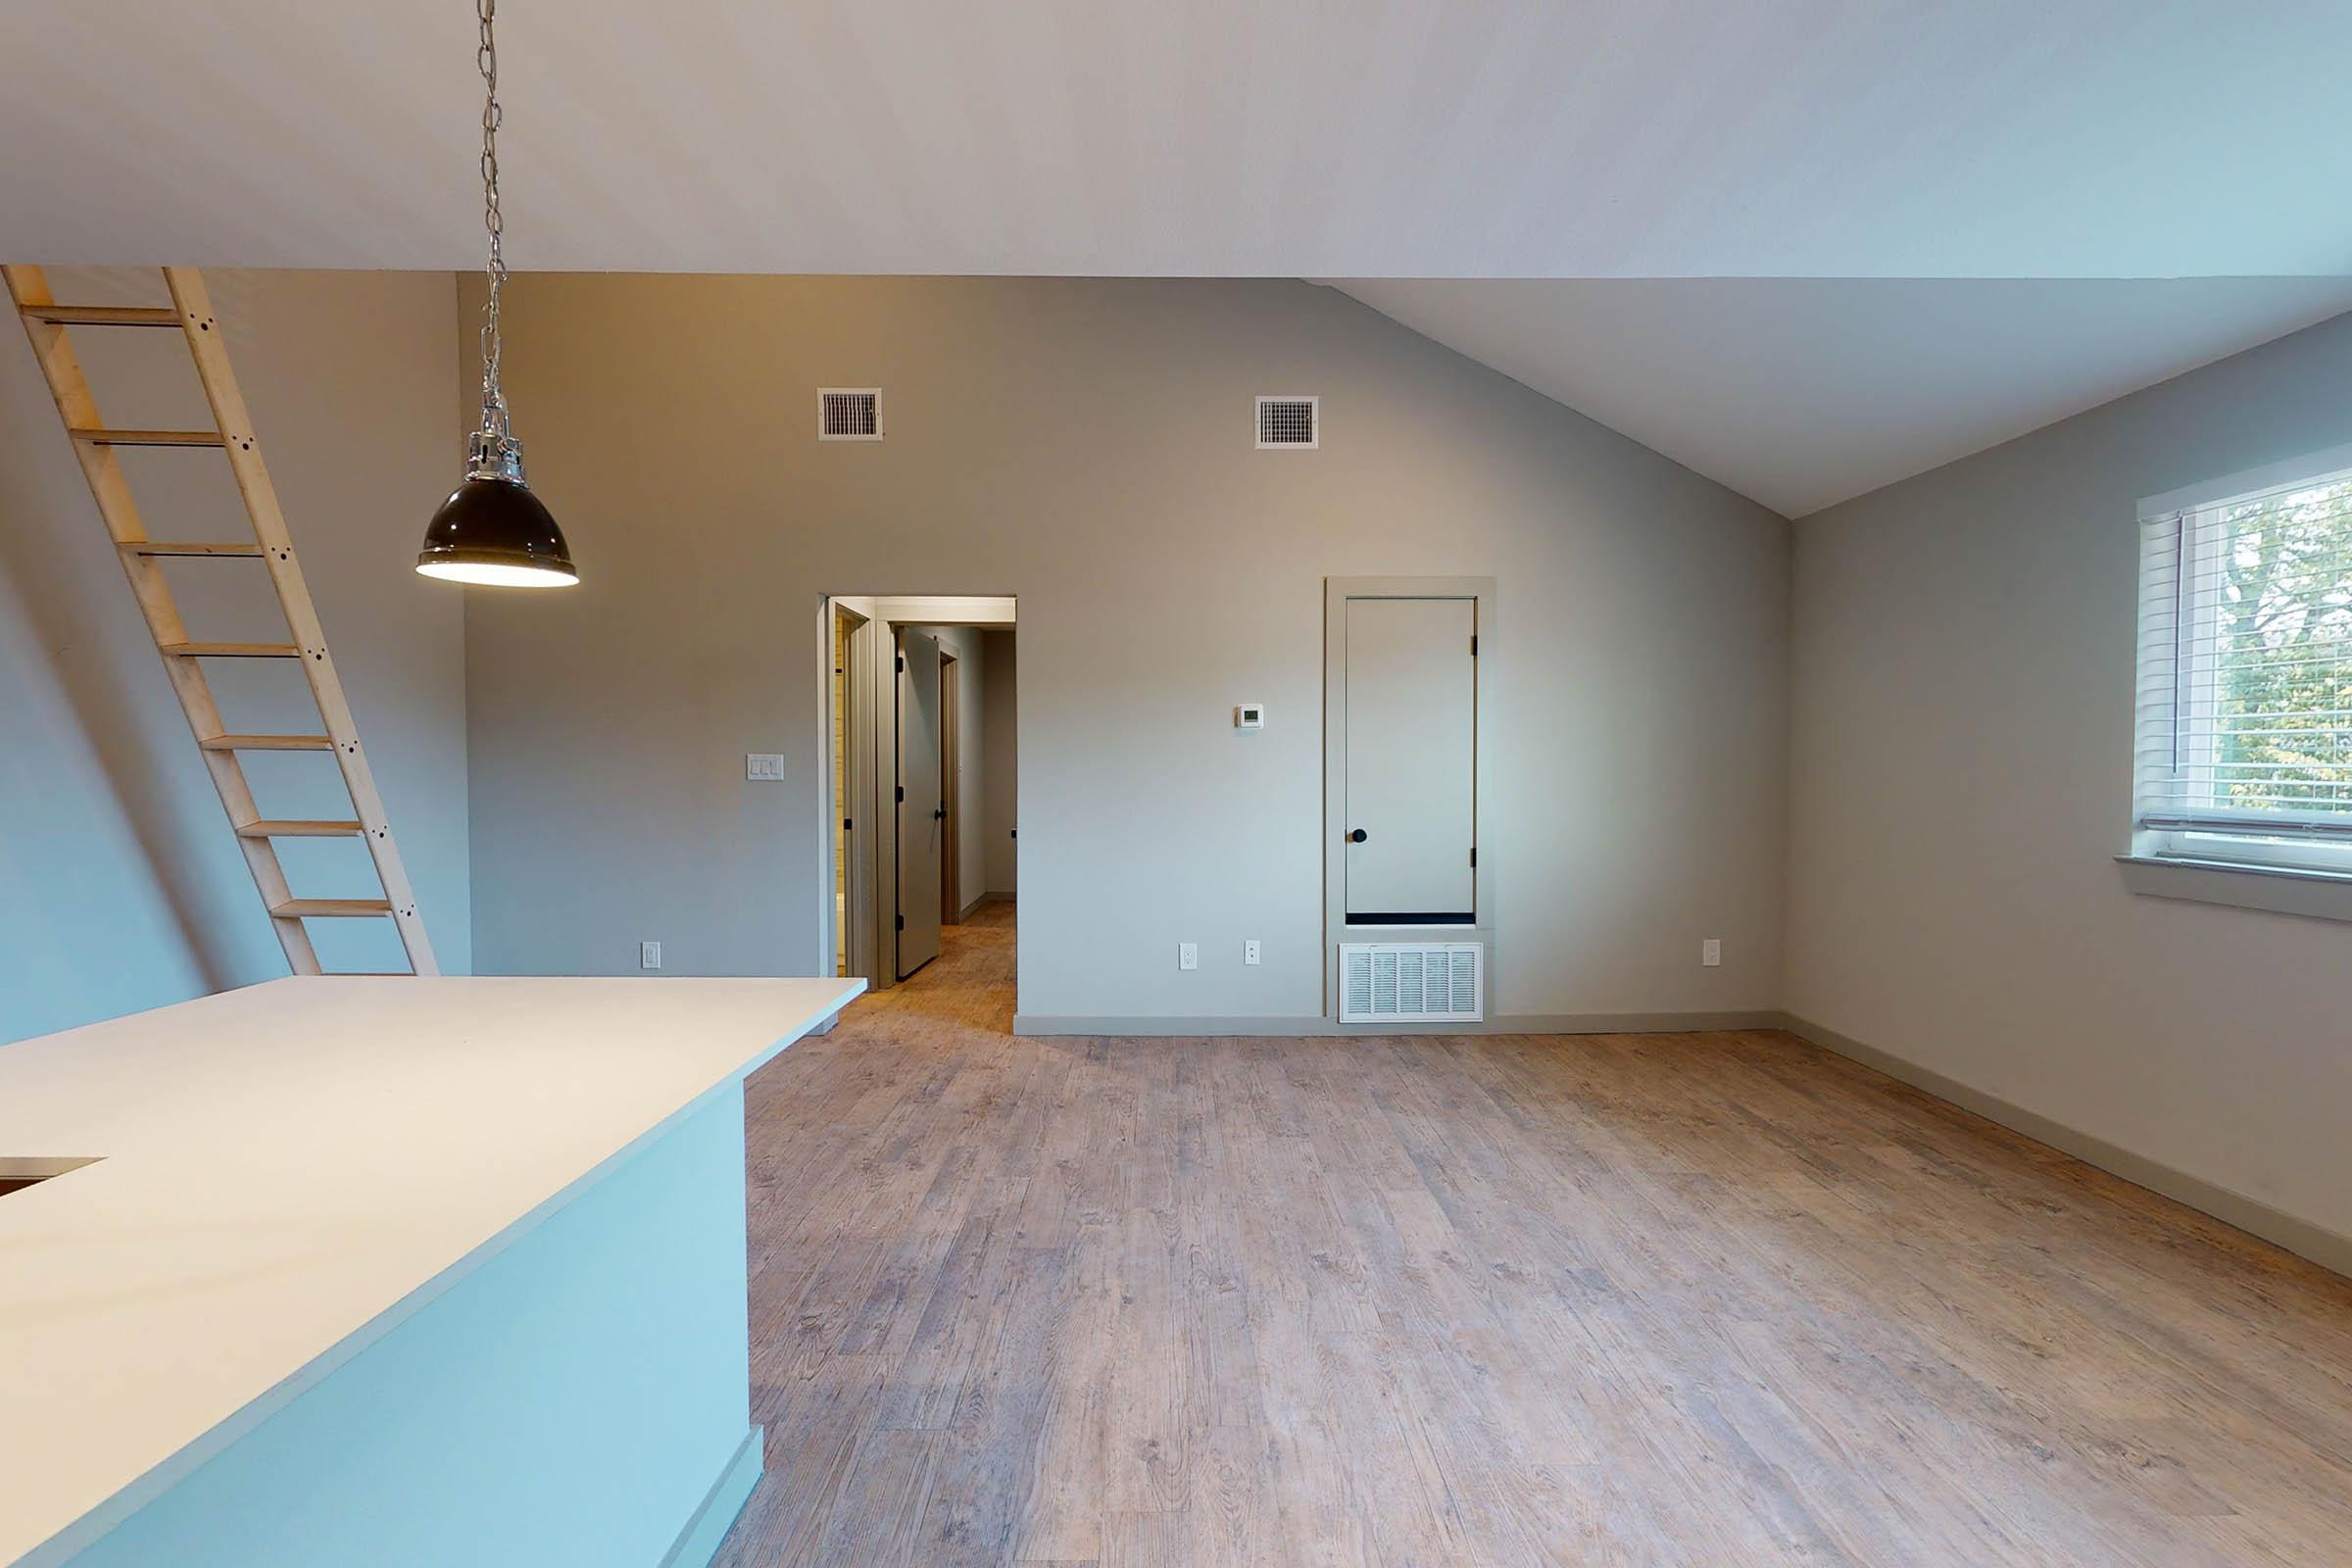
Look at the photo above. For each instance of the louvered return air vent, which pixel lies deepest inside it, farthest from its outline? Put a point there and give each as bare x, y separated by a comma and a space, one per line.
1412, 982
1289, 424
849, 413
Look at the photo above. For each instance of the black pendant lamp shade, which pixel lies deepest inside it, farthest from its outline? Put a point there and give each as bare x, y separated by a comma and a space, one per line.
492, 529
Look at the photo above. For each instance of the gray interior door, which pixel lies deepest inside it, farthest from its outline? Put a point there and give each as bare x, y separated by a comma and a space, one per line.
1412, 755
922, 811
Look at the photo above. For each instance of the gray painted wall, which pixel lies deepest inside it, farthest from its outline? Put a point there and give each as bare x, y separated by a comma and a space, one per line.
120, 887
1000, 805
1087, 445
1962, 768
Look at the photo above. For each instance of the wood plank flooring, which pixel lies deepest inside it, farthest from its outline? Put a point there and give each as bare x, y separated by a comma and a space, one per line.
1717, 1298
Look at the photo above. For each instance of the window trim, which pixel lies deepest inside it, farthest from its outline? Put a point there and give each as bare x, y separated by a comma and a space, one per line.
2239, 885
2199, 842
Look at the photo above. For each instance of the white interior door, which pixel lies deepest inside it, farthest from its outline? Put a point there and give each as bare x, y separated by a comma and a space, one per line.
1413, 745
922, 813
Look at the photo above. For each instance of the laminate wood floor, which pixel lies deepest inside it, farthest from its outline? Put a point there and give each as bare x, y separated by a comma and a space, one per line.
1644, 1299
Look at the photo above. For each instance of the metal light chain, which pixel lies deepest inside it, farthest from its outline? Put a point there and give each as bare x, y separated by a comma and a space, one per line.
494, 397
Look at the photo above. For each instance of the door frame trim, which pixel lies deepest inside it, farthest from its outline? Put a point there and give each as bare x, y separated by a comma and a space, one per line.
861, 911
876, 691
857, 739
1337, 591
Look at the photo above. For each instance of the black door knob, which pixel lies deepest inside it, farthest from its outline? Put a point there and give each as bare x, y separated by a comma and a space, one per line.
1358, 836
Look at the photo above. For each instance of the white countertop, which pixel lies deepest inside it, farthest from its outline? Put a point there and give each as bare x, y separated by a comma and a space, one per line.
287, 1172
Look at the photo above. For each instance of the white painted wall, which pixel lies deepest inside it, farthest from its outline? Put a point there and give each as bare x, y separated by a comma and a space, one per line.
120, 887
1087, 445
1001, 758
1962, 768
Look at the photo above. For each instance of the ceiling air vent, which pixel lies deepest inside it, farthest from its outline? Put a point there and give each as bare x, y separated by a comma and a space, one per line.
849, 413
1412, 982
1289, 422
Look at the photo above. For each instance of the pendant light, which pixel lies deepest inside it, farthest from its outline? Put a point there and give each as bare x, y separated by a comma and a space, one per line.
492, 529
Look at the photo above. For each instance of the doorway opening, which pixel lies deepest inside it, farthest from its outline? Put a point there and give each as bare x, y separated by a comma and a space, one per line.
921, 816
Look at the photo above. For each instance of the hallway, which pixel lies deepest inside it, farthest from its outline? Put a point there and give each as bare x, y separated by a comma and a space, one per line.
969, 986
1718, 1299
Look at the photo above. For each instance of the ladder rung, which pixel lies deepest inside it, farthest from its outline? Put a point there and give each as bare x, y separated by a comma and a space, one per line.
148, 438
103, 314
284, 827
232, 650
268, 743
329, 908
179, 547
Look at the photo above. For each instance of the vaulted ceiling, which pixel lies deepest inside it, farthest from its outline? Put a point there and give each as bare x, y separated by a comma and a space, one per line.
1422, 139
1802, 392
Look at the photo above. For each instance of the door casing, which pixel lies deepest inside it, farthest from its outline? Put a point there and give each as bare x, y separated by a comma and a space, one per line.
874, 686
859, 937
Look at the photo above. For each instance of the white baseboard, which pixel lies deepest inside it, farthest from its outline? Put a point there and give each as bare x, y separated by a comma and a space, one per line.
1565, 1023
707, 1529
2322, 1246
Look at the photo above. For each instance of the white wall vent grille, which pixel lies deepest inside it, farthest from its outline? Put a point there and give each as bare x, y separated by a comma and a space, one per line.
1289, 422
1412, 982
849, 413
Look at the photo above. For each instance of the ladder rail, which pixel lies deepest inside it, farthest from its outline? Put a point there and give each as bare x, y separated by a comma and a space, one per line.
235, 424
45, 322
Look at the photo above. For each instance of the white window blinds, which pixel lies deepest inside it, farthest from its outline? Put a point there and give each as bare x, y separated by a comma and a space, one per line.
2245, 734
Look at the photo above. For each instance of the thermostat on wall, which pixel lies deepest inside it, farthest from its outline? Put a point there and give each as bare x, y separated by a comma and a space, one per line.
1249, 715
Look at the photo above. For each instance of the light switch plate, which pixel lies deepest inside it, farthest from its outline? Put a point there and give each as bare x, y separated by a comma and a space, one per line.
763, 765
1710, 953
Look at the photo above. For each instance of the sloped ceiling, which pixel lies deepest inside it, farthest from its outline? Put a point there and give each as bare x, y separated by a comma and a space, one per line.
1802, 392
1419, 139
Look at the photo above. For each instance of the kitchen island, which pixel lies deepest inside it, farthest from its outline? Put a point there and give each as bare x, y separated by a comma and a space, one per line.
384, 1270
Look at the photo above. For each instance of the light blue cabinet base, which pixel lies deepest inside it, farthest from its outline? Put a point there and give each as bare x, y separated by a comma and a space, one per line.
566, 1402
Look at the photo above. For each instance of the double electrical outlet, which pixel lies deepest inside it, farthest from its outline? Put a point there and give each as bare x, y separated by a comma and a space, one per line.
1188, 954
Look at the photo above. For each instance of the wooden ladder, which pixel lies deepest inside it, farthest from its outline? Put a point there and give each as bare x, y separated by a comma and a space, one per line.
191, 314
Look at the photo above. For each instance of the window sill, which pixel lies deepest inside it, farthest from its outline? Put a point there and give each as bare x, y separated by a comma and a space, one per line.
2274, 889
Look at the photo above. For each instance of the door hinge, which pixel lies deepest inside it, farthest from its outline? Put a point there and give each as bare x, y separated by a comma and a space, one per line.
902, 922
901, 663
1474, 647
846, 824
902, 792
1473, 857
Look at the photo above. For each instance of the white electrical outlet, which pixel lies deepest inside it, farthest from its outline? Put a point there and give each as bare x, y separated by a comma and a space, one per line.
1250, 953
1187, 955
648, 954
1710, 953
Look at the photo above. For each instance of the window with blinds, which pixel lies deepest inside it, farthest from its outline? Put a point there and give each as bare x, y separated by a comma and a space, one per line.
2245, 734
